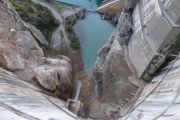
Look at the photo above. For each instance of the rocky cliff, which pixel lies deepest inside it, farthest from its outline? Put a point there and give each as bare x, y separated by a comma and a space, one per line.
21, 54
144, 42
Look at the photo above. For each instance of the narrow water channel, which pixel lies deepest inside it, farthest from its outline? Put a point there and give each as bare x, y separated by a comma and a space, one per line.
92, 31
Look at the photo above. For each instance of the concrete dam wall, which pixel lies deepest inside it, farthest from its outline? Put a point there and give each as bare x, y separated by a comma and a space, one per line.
20, 100
160, 99
155, 27
154, 32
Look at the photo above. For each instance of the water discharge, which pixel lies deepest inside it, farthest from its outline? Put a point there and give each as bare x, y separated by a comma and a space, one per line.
78, 86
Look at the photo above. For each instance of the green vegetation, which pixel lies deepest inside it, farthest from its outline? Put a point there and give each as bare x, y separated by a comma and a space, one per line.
116, 102
18, 8
148, 78
175, 48
62, 36
37, 15
108, 48
130, 31
12, 1
30, 9
75, 44
59, 9
69, 28
35, 11
131, 11
25, 3
74, 41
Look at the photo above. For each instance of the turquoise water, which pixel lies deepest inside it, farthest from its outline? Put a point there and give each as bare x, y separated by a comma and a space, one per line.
88, 4
92, 32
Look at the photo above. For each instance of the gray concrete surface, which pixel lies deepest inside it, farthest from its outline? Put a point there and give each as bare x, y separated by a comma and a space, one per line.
160, 99
21, 100
153, 30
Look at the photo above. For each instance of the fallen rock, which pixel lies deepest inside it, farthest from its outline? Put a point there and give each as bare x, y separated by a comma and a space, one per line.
37, 33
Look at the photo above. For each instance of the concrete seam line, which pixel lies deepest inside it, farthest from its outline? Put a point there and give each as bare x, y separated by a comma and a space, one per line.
59, 107
156, 86
171, 22
18, 112
175, 98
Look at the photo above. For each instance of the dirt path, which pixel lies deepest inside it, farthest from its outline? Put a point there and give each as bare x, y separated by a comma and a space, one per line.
56, 37
64, 34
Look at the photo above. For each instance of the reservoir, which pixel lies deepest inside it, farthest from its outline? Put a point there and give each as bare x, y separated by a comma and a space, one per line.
92, 32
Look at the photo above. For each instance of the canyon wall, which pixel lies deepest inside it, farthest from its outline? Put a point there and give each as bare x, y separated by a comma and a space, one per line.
145, 42
21, 54
23, 62
138, 50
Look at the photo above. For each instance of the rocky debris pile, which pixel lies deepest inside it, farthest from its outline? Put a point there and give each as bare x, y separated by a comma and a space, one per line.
21, 54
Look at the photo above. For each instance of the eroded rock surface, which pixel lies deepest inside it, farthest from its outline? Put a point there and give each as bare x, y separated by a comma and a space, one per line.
21, 54
37, 34
113, 73
71, 15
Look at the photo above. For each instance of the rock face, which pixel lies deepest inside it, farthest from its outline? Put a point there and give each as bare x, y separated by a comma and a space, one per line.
141, 43
71, 15
113, 17
55, 73
21, 54
37, 34
112, 71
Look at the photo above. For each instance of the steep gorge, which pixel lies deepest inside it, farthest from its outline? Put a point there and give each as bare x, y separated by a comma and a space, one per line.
137, 69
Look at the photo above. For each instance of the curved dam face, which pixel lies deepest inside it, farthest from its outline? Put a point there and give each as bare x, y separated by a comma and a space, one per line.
20, 100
